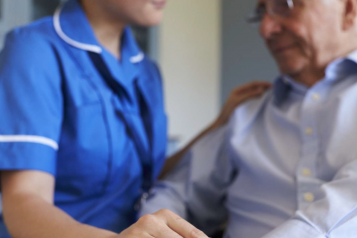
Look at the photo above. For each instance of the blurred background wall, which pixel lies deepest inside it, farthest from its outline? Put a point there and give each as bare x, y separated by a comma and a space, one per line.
244, 56
205, 48
190, 42
13, 13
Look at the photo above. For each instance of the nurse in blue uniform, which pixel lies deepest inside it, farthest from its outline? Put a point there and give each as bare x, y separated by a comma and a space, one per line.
83, 126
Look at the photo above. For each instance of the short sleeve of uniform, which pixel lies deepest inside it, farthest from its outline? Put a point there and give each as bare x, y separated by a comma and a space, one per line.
30, 103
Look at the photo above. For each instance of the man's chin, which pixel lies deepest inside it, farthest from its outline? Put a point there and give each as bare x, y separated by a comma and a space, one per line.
287, 68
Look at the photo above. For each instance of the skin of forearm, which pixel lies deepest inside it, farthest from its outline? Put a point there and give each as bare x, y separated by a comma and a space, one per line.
39, 219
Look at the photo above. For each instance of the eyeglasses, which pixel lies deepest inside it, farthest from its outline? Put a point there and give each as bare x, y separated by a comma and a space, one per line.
282, 8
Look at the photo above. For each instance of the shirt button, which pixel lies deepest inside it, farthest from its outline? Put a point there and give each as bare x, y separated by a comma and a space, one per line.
316, 96
309, 197
306, 172
308, 131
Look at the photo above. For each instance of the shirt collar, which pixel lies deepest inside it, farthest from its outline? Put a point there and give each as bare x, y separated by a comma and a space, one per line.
73, 27
342, 67
337, 69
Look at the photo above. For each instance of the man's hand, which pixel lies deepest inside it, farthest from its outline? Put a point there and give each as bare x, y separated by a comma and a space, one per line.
162, 224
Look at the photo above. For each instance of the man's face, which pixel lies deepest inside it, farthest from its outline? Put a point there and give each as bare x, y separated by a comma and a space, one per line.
307, 37
137, 12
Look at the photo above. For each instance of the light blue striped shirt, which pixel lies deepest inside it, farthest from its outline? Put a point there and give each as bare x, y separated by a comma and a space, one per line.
284, 167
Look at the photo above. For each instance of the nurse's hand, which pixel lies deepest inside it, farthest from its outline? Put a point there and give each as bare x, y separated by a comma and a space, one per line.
237, 97
162, 224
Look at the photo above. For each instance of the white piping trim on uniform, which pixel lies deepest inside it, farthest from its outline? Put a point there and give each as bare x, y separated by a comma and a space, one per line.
58, 29
30, 139
92, 48
138, 58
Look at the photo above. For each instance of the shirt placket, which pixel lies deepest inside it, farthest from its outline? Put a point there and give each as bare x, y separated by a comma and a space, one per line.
306, 179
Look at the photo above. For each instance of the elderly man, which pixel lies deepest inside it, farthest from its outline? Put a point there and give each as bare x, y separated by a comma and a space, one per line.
286, 165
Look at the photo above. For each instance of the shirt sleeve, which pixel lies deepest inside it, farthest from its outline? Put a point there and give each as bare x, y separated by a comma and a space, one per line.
333, 215
30, 103
196, 189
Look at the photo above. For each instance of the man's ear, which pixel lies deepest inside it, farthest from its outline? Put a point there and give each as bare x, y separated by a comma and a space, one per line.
349, 14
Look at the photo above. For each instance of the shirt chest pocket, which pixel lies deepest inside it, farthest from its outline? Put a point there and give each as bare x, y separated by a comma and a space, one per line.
84, 149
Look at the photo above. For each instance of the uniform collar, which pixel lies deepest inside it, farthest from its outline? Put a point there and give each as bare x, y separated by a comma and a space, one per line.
73, 27
336, 70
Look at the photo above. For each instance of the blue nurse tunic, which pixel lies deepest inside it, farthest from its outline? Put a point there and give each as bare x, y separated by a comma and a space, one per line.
69, 108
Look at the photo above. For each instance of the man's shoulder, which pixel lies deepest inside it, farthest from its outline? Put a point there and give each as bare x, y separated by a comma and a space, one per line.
248, 112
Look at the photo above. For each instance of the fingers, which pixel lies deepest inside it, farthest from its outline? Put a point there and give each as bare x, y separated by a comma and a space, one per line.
179, 225
149, 226
259, 84
162, 224
238, 96
158, 228
247, 95
238, 99
251, 86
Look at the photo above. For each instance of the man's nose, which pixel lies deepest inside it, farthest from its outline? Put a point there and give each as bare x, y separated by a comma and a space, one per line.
269, 26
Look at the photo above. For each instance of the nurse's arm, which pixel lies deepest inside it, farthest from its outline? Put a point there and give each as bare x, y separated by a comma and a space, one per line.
29, 212
236, 97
